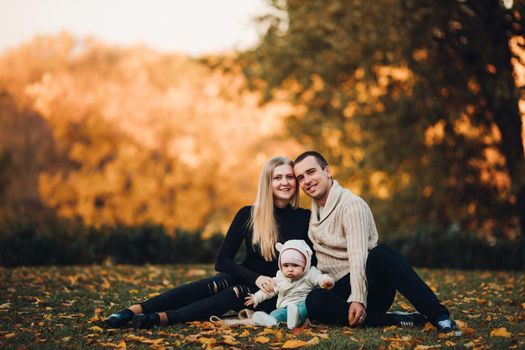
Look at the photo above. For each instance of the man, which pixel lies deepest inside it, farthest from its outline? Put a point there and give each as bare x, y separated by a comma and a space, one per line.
367, 275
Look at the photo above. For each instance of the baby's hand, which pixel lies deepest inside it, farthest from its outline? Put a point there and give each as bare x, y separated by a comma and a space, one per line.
328, 282
249, 300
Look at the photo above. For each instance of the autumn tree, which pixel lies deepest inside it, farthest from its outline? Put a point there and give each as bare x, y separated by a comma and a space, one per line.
414, 102
112, 135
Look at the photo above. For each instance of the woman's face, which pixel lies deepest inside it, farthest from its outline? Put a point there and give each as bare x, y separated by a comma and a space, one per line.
283, 185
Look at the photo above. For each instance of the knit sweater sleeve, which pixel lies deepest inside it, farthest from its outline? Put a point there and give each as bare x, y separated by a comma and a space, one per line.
357, 225
234, 237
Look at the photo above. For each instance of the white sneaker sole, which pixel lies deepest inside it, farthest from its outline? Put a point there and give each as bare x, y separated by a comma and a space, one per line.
263, 319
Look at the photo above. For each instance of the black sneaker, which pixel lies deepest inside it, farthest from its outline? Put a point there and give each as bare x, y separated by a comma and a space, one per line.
447, 326
118, 319
145, 321
405, 319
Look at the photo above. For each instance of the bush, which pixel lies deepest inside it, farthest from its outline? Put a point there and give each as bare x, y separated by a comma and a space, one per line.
455, 249
65, 244
72, 243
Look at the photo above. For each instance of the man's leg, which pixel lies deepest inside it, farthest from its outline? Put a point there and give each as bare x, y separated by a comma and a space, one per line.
387, 271
330, 306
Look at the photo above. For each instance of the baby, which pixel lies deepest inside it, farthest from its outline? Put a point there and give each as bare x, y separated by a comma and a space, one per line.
295, 279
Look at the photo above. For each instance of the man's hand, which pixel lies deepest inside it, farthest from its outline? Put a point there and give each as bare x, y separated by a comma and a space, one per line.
356, 314
249, 300
266, 284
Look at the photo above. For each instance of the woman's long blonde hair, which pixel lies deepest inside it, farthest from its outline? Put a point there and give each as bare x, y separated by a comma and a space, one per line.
262, 221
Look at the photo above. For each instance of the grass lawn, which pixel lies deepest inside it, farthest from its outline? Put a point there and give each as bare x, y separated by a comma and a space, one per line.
59, 307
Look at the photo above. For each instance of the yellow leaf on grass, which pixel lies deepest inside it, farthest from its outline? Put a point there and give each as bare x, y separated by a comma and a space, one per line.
500, 332
313, 341
461, 325
428, 327
228, 339
10, 335
207, 341
262, 339
245, 333
8, 305
523, 305
133, 291
405, 306
96, 329
109, 345
427, 347
94, 319
66, 339
122, 345
294, 344
154, 294
98, 310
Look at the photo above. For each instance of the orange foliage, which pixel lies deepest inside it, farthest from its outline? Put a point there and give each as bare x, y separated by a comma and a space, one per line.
138, 136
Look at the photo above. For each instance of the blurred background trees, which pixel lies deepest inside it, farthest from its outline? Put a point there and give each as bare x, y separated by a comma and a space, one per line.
110, 135
415, 103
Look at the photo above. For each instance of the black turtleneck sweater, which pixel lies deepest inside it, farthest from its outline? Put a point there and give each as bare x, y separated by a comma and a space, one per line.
291, 223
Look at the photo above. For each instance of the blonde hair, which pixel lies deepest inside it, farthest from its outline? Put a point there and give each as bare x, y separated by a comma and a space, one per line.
262, 221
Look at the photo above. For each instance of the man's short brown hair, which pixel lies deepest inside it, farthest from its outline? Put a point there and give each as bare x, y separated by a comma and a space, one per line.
318, 157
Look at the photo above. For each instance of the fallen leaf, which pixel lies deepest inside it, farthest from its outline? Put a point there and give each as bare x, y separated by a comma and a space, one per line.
428, 327
8, 305
96, 329
313, 341
405, 306
500, 332
262, 339
450, 343
426, 347
245, 333
154, 294
294, 344
98, 310
66, 339
10, 335
228, 339
109, 345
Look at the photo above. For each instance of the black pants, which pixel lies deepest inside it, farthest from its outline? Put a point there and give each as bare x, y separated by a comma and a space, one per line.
201, 299
386, 272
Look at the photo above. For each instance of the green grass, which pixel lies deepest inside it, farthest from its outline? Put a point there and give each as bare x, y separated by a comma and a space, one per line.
54, 307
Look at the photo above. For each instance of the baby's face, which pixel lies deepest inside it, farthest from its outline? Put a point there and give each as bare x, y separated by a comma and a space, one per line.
292, 271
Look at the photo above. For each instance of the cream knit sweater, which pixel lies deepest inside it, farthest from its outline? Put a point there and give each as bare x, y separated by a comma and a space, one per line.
343, 232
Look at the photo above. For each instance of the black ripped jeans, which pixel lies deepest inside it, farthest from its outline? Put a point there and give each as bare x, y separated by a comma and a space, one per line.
386, 272
201, 299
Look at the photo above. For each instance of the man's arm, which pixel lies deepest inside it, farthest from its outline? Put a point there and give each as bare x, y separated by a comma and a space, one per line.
357, 226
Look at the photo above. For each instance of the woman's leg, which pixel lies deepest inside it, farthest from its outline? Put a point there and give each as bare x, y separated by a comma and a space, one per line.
173, 299
188, 293
231, 298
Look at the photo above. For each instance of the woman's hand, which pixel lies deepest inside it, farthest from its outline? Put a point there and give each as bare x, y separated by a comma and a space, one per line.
249, 300
266, 284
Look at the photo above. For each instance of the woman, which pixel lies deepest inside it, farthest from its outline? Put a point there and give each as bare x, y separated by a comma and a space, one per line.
274, 217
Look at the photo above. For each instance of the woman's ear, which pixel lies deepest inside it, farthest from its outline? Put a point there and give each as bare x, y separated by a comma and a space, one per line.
278, 246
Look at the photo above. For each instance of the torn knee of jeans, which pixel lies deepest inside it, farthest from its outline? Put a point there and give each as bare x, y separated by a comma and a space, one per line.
241, 291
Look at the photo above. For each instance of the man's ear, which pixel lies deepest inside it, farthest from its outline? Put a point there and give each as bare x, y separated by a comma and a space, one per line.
278, 246
328, 171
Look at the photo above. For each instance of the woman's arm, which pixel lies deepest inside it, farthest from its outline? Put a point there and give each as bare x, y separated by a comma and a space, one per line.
233, 240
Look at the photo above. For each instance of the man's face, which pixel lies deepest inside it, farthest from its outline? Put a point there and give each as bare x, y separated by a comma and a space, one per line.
313, 180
